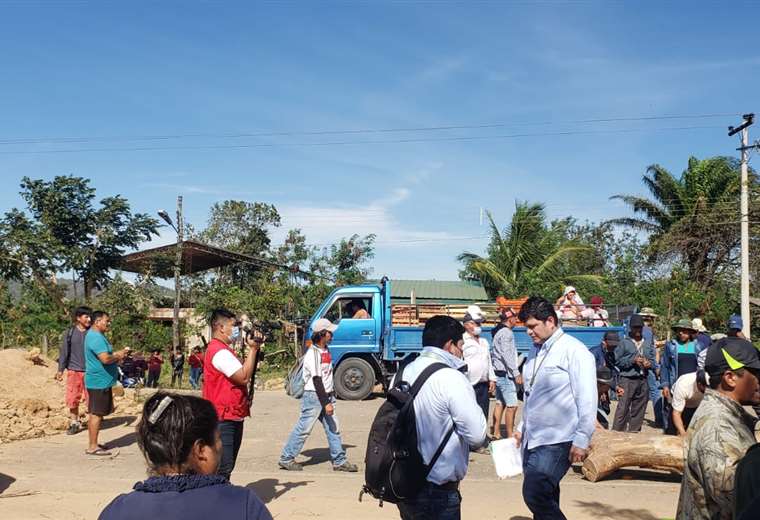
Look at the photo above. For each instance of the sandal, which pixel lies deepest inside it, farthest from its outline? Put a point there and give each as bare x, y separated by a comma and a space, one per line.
100, 452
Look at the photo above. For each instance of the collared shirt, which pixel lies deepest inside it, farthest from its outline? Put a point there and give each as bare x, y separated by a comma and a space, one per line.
477, 356
561, 395
504, 353
718, 437
446, 398
626, 353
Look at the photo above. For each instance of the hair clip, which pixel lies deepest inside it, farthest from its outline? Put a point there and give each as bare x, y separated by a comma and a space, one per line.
163, 405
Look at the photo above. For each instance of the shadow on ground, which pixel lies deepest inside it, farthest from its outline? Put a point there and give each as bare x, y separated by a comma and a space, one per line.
599, 510
269, 489
113, 422
320, 455
5, 482
520, 518
125, 440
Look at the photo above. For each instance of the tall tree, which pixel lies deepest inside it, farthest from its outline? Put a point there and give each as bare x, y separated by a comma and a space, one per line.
692, 219
528, 256
67, 232
242, 227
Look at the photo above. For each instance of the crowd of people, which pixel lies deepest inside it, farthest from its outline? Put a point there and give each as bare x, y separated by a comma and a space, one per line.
697, 383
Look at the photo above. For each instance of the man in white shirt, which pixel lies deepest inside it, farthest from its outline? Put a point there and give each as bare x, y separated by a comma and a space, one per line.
687, 394
317, 403
559, 415
445, 400
477, 355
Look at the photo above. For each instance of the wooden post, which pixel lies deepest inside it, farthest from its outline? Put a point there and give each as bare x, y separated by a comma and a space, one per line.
44, 345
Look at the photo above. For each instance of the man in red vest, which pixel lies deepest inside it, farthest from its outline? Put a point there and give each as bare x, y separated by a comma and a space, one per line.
226, 383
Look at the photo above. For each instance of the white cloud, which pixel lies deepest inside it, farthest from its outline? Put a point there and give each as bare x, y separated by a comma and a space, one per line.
323, 225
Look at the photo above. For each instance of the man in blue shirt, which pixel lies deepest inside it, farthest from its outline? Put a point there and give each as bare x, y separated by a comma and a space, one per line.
101, 373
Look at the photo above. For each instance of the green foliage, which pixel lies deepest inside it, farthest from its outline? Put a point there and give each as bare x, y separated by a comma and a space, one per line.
529, 256
33, 315
66, 232
692, 220
129, 306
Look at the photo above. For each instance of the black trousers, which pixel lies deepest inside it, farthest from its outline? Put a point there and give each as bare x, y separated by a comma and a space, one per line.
481, 396
231, 433
629, 415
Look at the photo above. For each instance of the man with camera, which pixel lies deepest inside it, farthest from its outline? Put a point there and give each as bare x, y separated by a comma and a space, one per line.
226, 380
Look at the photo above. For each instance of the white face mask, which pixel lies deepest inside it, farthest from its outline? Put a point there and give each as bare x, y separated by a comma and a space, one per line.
477, 331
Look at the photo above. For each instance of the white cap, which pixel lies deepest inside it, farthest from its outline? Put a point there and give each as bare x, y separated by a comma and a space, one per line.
323, 324
474, 314
698, 325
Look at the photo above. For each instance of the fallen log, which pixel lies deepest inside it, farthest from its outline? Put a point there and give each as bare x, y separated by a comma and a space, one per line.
611, 451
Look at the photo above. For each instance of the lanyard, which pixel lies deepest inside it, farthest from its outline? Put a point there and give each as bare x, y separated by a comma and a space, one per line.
536, 365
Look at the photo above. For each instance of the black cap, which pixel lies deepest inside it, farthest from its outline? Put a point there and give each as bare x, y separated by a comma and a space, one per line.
604, 375
731, 354
612, 338
636, 321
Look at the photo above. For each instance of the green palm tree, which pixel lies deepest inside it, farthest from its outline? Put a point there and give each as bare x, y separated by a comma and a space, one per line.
693, 219
527, 257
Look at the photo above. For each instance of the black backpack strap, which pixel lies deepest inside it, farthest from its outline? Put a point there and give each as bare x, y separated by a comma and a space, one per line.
439, 450
429, 371
424, 375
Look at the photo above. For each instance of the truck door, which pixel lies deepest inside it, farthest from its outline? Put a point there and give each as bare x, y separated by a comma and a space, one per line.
358, 325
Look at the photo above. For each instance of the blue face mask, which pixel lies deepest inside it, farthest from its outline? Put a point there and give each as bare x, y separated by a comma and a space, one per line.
235, 333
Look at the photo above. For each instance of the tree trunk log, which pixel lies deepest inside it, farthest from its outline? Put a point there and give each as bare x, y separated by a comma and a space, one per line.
611, 451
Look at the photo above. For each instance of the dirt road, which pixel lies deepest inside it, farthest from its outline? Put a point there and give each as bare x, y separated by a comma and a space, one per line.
66, 484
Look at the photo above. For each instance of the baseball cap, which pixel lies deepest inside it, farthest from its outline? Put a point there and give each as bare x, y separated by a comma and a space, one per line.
735, 322
604, 376
731, 354
323, 324
636, 321
473, 314
612, 338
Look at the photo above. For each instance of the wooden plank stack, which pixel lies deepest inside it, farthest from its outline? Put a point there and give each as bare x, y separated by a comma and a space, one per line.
416, 315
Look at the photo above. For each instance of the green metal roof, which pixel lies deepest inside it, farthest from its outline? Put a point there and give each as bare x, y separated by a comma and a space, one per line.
438, 290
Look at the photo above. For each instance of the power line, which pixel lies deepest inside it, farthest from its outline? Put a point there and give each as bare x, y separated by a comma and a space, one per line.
292, 133
344, 143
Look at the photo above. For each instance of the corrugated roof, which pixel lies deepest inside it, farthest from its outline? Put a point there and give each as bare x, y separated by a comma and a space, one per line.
438, 290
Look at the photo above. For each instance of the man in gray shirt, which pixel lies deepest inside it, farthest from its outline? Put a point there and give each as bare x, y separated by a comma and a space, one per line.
71, 359
634, 357
504, 361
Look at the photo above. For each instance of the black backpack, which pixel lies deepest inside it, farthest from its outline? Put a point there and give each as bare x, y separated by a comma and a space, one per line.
394, 468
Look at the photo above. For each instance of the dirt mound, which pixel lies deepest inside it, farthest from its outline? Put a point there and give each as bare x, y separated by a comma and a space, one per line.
31, 400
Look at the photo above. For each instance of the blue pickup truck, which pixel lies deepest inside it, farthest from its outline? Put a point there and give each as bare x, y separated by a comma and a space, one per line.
368, 351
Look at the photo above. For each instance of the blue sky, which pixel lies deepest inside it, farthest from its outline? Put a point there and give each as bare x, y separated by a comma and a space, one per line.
109, 70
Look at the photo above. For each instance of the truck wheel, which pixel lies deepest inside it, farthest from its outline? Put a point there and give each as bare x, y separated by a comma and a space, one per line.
354, 379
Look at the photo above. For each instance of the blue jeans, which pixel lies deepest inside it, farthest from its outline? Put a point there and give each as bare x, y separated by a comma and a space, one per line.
543, 469
195, 375
433, 503
311, 412
506, 391
231, 433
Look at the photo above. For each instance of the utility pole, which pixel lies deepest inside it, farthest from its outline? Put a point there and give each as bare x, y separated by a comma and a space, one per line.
177, 271
744, 129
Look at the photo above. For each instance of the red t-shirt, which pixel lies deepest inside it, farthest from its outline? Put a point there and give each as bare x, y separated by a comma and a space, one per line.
195, 361
154, 363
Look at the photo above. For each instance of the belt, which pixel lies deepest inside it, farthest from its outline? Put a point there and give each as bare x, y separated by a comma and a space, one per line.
500, 373
447, 486
634, 377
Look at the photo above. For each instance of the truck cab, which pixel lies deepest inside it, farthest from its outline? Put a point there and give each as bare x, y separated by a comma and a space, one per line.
374, 336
